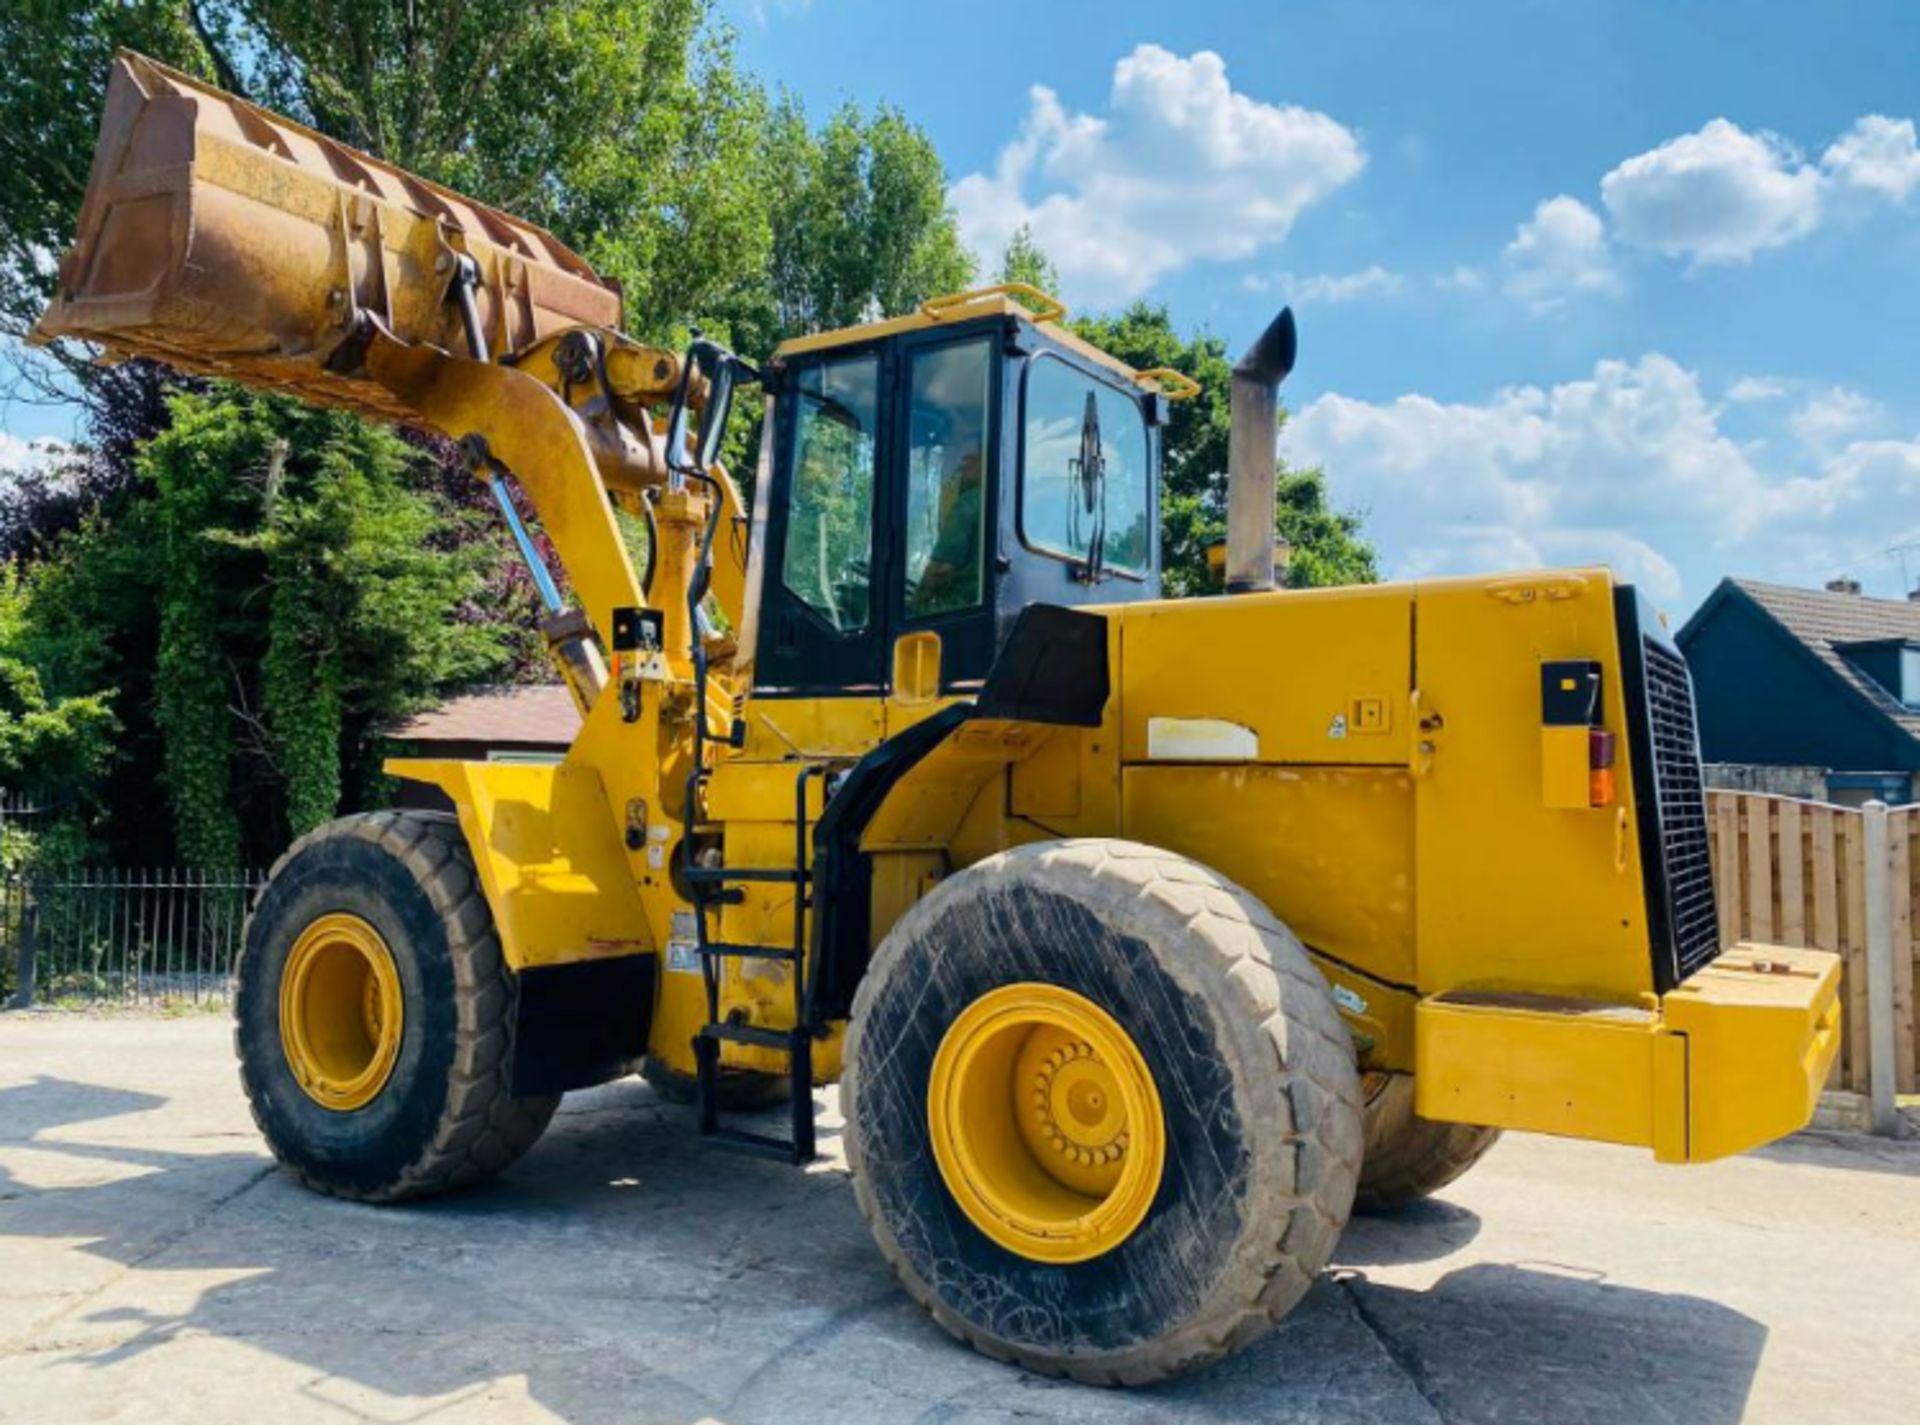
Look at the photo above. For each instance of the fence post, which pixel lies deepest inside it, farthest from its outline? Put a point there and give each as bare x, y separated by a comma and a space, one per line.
28, 954
1882, 1069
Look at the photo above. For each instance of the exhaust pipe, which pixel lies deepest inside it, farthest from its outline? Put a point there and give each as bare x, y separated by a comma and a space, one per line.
1251, 455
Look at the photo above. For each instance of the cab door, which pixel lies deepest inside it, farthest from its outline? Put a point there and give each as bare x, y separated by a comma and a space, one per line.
945, 486
823, 607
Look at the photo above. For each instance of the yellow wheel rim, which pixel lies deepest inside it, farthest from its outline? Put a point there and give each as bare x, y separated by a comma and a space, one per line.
340, 1012
1045, 1123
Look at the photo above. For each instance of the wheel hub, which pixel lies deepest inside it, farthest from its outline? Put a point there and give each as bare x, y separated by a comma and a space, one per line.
1045, 1123
341, 1012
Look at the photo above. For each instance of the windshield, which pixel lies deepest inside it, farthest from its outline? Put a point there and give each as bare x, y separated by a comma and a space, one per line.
1065, 498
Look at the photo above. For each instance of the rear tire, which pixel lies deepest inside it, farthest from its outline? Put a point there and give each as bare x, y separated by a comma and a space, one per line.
445, 1115
1251, 1069
1409, 1157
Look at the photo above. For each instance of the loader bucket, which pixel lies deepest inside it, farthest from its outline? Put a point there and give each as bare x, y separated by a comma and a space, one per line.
225, 240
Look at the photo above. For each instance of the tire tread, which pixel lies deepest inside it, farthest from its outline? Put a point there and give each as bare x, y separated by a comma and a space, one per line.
1277, 996
1408, 1157
483, 1127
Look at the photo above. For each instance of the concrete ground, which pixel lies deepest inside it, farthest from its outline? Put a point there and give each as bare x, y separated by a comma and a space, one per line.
155, 1267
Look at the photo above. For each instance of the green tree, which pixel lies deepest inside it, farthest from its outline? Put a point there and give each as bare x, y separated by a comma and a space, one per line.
1025, 262
303, 602
278, 590
859, 219
621, 124
51, 747
1327, 543
57, 56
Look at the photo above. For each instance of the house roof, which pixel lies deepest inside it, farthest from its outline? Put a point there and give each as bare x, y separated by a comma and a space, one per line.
1825, 622
542, 714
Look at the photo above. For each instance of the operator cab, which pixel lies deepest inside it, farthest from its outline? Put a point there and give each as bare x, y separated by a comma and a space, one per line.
936, 474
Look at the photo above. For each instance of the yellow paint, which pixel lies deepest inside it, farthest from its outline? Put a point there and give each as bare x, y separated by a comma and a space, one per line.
1041, 306
1566, 771
1577, 1068
1328, 849
341, 1012
1732, 1058
1762, 1025
1391, 793
916, 668
1514, 894
1289, 667
1047, 785
550, 860
1046, 1123
1174, 385
814, 729
928, 805
900, 880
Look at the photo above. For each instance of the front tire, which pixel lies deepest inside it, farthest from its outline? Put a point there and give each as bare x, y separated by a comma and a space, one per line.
375, 1014
1173, 977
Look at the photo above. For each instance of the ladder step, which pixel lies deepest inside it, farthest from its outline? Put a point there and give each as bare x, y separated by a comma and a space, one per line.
720, 949
752, 1034
720, 875
759, 1145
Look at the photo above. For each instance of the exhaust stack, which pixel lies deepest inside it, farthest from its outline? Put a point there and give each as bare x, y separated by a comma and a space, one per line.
1251, 456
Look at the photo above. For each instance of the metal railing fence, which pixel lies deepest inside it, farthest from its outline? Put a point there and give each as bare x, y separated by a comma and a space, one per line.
112, 935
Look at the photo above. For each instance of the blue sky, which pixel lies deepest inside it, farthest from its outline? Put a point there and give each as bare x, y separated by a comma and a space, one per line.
1696, 358
1576, 281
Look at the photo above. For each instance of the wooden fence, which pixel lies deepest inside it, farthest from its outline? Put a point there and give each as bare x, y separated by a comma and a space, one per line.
1790, 872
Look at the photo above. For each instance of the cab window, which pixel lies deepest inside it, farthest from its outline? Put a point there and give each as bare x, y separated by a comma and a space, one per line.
948, 410
1068, 499
828, 562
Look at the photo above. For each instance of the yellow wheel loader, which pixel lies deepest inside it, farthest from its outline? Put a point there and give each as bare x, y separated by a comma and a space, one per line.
1143, 937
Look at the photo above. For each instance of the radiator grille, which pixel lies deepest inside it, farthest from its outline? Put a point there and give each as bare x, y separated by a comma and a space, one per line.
1682, 809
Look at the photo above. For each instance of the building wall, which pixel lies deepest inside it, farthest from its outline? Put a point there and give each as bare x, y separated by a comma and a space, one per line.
1807, 783
1764, 698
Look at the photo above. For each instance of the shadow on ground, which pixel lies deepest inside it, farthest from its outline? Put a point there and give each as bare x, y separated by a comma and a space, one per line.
629, 1274
1850, 1152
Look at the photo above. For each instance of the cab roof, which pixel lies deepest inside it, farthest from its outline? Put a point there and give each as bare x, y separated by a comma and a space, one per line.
996, 301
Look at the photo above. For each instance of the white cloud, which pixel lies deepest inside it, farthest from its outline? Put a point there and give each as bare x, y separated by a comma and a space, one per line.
764, 12
1719, 195
1878, 154
1558, 253
1181, 167
1462, 279
1830, 416
1375, 281
18, 454
1628, 467
1750, 389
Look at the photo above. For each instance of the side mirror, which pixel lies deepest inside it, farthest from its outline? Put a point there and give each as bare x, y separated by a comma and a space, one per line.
713, 420
721, 370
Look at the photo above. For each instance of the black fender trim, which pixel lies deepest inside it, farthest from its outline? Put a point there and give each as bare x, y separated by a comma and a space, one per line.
1051, 670
581, 1023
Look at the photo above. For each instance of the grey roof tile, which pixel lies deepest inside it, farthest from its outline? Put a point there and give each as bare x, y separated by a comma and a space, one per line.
1823, 621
